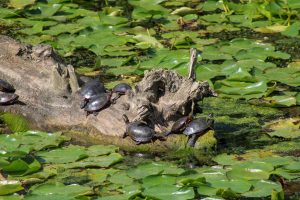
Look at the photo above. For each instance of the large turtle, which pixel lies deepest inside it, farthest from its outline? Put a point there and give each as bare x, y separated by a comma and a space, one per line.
139, 132
97, 103
180, 125
91, 89
8, 98
6, 87
197, 128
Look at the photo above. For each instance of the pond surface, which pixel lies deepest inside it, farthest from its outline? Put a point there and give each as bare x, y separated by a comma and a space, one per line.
249, 53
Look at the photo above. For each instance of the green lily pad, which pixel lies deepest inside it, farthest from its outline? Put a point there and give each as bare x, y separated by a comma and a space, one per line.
154, 168
293, 166
15, 122
263, 188
64, 155
151, 181
9, 187
120, 178
21, 167
166, 192
250, 171
99, 150
49, 189
245, 90
99, 161
238, 186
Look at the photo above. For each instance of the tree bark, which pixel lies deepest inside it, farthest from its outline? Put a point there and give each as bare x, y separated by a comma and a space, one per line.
48, 95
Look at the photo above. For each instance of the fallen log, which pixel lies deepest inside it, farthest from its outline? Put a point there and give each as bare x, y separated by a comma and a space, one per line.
48, 94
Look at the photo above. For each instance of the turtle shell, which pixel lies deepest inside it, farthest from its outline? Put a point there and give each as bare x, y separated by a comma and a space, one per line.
121, 88
97, 102
198, 126
140, 132
6, 87
92, 88
8, 98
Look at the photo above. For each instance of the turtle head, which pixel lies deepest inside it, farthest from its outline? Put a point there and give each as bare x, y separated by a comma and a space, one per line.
125, 118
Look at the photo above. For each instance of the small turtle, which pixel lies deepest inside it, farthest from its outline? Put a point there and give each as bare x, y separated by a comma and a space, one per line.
8, 98
180, 124
197, 128
120, 89
140, 132
97, 103
90, 89
6, 87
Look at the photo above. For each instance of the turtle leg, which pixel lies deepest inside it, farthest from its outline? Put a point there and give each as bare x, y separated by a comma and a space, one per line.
125, 135
87, 113
95, 113
114, 99
160, 137
168, 133
83, 103
192, 140
138, 142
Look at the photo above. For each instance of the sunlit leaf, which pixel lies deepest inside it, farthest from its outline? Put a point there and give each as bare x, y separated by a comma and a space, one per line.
263, 188
166, 192
286, 128
63, 155
9, 187
19, 4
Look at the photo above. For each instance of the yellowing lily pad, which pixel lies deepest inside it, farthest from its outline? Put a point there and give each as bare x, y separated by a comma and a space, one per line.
286, 128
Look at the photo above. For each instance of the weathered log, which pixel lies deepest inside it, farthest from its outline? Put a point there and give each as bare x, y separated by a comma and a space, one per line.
49, 98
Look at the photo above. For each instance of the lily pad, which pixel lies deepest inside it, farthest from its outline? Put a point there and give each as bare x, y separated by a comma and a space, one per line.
287, 128
9, 187
166, 192
263, 188
250, 171
19, 4
64, 155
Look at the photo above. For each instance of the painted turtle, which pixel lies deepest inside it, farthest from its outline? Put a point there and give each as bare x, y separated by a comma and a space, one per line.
97, 103
90, 89
197, 128
180, 125
140, 132
120, 89
8, 98
6, 87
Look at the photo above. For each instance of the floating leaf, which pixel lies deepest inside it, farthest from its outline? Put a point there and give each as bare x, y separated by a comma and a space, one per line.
9, 187
263, 188
15, 122
98, 150
64, 155
250, 171
153, 168
183, 11
287, 128
19, 4
99, 161
238, 186
166, 192
49, 189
